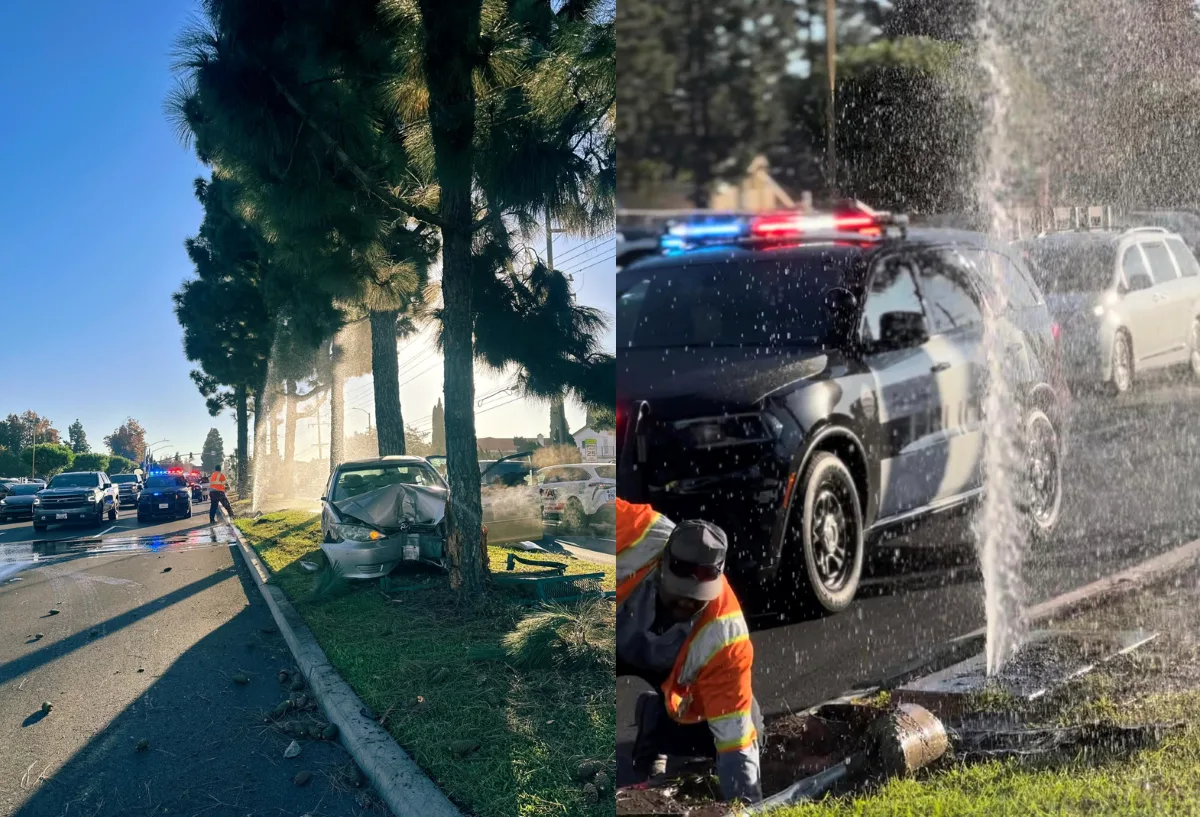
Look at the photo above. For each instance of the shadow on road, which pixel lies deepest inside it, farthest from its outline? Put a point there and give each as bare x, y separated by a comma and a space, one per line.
209, 749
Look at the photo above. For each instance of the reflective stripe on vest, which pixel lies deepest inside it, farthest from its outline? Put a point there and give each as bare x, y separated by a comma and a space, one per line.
733, 731
713, 637
641, 538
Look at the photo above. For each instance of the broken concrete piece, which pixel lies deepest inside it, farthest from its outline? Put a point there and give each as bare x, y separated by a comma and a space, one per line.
906, 740
239, 678
302, 778
292, 750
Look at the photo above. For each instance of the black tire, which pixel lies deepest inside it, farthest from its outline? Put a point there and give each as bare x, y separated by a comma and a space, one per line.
826, 491
100, 515
574, 520
39, 528
142, 518
112, 513
1043, 499
1122, 371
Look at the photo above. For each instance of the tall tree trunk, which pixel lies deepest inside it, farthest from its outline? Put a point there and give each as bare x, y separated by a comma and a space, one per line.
389, 416
243, 442
559, 430
337, 411
289, 436
273, 428
261, 413
451, 54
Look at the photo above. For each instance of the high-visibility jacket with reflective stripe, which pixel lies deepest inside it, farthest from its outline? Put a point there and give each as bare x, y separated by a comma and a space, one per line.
711, 677
216, 482
641, 537
710, 680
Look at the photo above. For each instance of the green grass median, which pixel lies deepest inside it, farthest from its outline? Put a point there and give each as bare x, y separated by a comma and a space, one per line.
501, 702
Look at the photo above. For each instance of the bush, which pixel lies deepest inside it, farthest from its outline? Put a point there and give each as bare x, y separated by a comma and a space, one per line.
94, 461
580, 635
10, 463
556, 455
48, 459
120, 465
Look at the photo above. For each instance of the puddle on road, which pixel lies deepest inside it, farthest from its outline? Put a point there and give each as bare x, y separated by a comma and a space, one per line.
15, 557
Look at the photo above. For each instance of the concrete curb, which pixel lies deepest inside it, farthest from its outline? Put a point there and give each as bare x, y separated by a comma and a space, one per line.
1090, 595
401, 783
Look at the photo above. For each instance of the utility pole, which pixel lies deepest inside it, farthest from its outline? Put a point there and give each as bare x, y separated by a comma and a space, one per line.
556, 407
33, 455
320, 450
830, 113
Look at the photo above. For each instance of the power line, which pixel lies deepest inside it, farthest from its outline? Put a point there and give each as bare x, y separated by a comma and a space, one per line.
574, 251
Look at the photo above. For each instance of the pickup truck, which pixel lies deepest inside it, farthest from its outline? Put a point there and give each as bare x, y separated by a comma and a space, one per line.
79, 496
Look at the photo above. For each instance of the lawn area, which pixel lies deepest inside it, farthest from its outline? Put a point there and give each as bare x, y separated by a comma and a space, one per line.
1161, 781
538, 709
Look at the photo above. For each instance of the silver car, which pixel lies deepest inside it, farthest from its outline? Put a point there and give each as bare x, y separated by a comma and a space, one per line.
1125, 303
380, 512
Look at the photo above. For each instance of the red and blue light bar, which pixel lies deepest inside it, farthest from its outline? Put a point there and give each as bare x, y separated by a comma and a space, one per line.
856, 219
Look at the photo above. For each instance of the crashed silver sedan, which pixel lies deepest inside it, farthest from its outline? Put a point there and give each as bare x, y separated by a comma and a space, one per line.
380, 512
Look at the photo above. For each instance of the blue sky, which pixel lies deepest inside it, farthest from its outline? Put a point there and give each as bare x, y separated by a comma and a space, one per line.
95, 204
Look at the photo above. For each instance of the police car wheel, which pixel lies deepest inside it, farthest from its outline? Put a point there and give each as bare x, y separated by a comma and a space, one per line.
826, 541
1042, 502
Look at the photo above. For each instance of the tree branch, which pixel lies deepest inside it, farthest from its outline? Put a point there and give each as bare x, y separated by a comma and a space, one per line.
419, 213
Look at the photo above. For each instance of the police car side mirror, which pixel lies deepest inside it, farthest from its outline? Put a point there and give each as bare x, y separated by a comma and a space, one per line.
902, 330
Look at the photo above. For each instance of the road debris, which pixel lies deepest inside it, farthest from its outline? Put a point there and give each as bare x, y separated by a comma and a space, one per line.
292, 750
166, 570
239, 678
302, 778
330, 732
46, 707
311, 567
142, 745
54, 611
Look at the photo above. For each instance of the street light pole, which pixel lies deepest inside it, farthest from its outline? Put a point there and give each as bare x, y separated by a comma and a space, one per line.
364, 411
830, 113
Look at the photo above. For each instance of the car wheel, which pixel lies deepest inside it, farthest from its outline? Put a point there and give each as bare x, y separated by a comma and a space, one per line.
573, 517
1194, 351
100, 515
1122, 364
825, 544
112, 513
39, 528
1043, 474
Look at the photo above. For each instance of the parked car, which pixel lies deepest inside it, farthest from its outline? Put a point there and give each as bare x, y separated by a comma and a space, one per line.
129, 488
1127, 302
17, 503
164, 495
512, 509
78, 496
815, 384
379, 512
576, 494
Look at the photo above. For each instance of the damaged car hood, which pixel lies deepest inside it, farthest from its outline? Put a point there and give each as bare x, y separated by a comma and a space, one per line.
396, 506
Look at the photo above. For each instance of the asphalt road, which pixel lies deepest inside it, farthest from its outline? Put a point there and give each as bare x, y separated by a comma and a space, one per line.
1129, 479
154, 622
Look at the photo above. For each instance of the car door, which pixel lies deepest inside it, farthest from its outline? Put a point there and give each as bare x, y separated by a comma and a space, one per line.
1172, 304
512, 507
1138, 307
1189, 277
955, 307
895, 344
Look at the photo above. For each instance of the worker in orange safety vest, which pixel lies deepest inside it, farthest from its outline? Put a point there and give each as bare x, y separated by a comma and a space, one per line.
217, 486
681, 629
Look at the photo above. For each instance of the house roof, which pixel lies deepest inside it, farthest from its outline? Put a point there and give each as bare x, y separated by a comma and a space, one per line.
496, 444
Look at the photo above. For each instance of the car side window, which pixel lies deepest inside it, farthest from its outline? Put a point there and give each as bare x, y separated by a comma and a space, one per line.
1162, 267
1133, 265
1020, 291
951, 300
893, 289
577, 475
1188, 266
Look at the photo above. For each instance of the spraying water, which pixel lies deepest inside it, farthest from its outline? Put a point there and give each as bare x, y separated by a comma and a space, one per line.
1000, 533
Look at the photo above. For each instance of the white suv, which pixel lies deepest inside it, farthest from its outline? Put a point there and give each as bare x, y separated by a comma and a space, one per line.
1124, 302
575, 493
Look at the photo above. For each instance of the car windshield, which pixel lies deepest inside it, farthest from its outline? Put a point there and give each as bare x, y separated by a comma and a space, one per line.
123, 478
361, 480
75, 481
24, 490
732, 303
166, 482
1071, 266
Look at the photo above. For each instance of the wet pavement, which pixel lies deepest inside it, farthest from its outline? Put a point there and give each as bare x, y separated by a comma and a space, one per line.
154, 627
1128, 478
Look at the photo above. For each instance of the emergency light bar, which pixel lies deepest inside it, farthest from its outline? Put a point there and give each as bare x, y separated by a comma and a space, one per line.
857, 220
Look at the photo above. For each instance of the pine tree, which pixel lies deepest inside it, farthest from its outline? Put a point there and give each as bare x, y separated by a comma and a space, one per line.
77, 438
437, 443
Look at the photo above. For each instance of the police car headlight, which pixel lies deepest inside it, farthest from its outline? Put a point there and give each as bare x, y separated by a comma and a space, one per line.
730, 429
